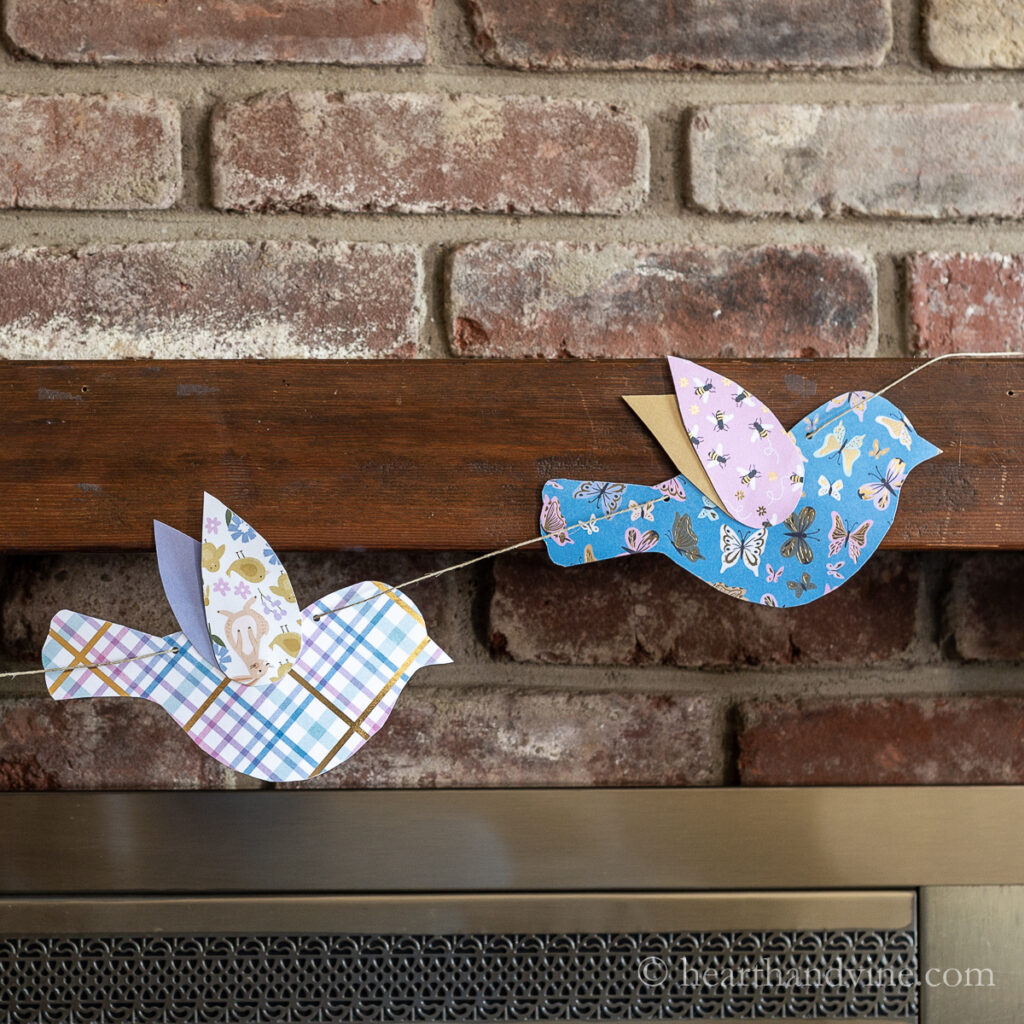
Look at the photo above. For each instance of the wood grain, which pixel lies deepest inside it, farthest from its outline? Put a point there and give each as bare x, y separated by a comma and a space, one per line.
444, 454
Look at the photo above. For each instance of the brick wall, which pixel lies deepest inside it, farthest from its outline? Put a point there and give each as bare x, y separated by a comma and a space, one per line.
331, 178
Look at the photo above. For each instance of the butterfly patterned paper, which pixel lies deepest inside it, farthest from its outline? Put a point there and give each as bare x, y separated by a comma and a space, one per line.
837, 446
854, 539
743, 549
841, 512
898, 429
885, 486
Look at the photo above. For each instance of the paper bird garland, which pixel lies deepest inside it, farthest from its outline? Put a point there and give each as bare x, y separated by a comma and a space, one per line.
267, 690
818, 516
760, 513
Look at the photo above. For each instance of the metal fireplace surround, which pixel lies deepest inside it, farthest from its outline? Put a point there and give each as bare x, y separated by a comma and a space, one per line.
514, 905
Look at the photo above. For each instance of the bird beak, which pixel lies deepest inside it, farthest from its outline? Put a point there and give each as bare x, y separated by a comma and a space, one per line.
433, 655
924, 450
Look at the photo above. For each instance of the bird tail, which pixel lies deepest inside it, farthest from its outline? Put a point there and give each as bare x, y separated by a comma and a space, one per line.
590, 521
88, 657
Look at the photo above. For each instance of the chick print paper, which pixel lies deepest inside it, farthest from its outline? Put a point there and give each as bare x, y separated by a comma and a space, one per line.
251, 611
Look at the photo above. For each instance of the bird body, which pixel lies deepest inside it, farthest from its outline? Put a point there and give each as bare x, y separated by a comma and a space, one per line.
852, 472
211, 556
281, 701
338, 693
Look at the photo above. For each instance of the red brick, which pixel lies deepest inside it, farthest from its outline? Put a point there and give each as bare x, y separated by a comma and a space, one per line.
211, 299
986, 627
106, 743
124, 588
883, 741
185, 32
642, 611
417, 153
962, 302
940, 160
568, 299
678, 34
112, 152
451, 738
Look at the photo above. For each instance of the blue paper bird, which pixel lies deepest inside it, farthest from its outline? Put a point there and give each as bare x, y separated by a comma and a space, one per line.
857, 450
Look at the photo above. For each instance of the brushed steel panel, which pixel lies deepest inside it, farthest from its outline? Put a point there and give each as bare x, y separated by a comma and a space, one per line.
458, 914
511, 840
972, 967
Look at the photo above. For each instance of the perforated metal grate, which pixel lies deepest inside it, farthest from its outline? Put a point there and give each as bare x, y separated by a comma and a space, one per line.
460, 978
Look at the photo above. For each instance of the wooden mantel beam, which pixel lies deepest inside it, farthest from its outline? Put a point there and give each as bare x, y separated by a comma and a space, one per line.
436, 454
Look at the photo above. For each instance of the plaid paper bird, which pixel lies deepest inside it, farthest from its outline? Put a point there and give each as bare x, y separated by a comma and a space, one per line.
302, 699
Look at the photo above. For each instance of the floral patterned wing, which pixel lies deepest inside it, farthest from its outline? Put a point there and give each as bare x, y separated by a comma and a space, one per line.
251, 611
750, 454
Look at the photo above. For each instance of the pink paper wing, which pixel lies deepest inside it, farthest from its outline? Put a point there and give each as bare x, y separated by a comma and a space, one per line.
760, 454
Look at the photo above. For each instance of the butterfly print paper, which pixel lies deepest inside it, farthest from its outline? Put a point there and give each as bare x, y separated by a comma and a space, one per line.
820, 545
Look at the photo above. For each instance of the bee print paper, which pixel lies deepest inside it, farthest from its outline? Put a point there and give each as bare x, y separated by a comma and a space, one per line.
748, 455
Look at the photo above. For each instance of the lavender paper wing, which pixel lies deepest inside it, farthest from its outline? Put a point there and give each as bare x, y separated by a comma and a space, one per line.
178, 557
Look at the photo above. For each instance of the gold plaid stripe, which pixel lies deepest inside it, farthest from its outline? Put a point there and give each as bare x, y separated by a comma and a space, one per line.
404, 605
373, 703
205, 706
329, 704
80, 661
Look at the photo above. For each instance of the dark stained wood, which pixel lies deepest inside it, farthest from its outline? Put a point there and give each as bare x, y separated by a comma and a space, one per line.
435, 454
